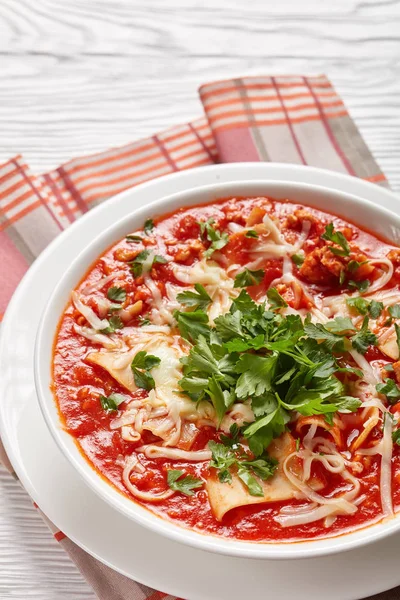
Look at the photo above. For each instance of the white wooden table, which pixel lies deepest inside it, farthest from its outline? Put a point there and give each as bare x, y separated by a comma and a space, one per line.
82, 75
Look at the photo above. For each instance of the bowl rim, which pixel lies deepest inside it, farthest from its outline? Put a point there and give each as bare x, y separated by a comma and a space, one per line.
297, 549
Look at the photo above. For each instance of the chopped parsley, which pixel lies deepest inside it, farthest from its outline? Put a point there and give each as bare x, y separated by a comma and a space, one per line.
353, 265
361, 286
275, 299
114, 323
117, 294
218, 240
247, 278
141, 366
397, 330
251, 234
110, 403
184, 485
133, 239
197, 299
375, 309
338, 238
394, 311
229, 457
364, 338
363, 306
192, 324
143, 321
396, 436
137, 264
278, 363
298, 259
390, 389
148, 226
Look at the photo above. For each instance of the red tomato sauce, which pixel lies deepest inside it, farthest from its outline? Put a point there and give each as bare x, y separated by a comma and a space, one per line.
77, 384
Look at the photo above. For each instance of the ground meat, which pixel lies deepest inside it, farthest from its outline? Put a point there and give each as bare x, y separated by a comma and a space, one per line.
188, 252
394, 256
296, 218
323, 266
127, 254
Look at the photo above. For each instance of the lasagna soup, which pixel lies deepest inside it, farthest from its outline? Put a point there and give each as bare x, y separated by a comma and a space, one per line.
234, 368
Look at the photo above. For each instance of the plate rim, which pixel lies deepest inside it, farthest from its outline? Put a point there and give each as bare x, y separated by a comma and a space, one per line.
164, 205
59, 240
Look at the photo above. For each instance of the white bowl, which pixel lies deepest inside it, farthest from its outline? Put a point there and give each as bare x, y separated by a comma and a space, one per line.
363, 212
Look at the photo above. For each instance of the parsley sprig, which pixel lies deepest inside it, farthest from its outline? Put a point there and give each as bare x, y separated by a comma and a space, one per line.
229, 458
338, 238
137, 264
184, 485
197, 299
364, 306
141, 366
110, 403
218, 240
247, 278
277, 363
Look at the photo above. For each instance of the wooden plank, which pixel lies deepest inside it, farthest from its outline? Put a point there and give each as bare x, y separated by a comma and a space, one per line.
79, 76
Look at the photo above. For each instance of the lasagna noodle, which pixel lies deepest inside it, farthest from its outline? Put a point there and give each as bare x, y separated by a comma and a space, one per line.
223, 497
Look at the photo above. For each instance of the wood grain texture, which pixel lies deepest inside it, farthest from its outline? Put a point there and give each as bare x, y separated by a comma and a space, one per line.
79, 76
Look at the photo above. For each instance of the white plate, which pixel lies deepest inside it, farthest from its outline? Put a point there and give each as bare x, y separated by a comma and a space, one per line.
91, 523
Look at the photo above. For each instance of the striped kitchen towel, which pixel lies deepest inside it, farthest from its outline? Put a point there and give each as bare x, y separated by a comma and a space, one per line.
290, 119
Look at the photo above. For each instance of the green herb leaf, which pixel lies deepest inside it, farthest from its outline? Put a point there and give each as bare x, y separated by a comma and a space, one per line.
249, 481
133, 239
192, 324
222, 400
184, 485
340, 325
298, 259
317, 331
218, 240
117, 294
228, 456
363, 306
394, 311
111, 402
390, 389
353, 265
264, 468
397, 330
198, 299
256, 376
144, 321
142, 360
114, 323
338, 238
359, 304
361, 286
251, 234
247, 278
364, 338
148, 226
275, 299
141, 365
375, 309
137, 264
396, 436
